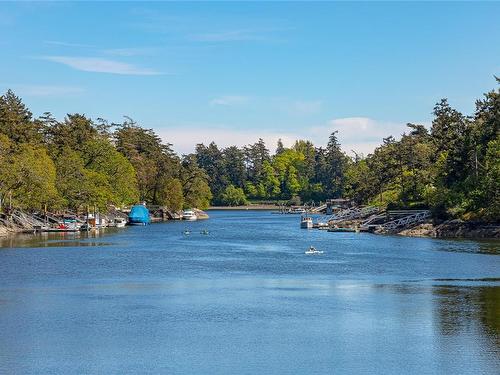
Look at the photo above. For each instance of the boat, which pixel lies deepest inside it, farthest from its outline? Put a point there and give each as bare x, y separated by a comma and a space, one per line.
85, 227
306, 222
298, 210
189, 215
139, 215
186, 232
120, 222
312, 251
204, 231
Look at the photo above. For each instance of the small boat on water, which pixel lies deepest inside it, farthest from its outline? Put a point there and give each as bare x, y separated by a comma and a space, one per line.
189, 215
306, 222
204, 231
120, 222
312, 251
186, 232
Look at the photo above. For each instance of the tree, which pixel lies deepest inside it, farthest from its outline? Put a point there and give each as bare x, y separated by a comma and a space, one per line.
234, 165
28, 176
269, 183
279, 147
233, 196
336, 161
256, 155
171, 195
100, 156
153, 160
195, 184
212, 161
16, 120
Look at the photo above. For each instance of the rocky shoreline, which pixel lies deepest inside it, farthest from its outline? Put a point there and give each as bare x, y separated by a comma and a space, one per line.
454, 229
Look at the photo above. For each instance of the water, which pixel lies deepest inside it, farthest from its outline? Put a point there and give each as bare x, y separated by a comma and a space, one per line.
245, 299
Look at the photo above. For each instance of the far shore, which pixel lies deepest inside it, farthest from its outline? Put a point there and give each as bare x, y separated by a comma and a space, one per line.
263, 207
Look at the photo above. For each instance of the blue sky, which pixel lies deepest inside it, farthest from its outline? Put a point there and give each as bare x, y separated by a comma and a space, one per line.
231, 72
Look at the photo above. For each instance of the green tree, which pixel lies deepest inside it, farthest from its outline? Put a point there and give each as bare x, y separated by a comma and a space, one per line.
16, 120
27, 176
195, 184
172, 195
233, 196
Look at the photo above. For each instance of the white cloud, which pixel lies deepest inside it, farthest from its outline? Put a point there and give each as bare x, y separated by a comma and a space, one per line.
46, 90
98, 65
359, 134
184, 139
229, 100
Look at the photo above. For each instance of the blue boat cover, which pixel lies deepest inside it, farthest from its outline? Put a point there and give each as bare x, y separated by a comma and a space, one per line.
139, 214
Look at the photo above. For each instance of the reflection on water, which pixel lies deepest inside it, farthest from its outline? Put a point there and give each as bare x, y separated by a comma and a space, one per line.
469, 246
460, 309
56, 239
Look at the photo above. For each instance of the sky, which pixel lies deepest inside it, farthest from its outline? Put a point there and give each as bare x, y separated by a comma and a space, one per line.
234, 72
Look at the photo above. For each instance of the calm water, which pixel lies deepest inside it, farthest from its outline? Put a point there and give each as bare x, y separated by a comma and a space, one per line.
245, 299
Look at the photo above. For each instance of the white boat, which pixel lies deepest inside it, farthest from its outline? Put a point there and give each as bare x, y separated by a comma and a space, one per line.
306, 222
297, 210
120, 222
189, 215
312, 251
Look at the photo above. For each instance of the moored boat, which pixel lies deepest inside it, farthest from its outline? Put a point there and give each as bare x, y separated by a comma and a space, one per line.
306, 222
189, 215
139, 215
120, 222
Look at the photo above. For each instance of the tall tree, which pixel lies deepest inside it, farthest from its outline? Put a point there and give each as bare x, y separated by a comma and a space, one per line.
16, 120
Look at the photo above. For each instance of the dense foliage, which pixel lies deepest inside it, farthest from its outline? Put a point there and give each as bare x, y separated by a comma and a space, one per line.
78, 163
452, 168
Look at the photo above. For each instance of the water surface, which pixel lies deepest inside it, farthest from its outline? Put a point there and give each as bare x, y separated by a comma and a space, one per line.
246, 299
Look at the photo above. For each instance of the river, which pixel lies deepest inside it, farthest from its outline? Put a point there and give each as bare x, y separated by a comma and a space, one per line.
245, 299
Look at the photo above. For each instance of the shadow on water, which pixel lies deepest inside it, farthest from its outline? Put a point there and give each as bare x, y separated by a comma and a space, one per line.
54, 239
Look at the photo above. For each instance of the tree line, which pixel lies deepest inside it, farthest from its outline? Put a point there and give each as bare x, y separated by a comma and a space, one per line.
78, 162
453, 168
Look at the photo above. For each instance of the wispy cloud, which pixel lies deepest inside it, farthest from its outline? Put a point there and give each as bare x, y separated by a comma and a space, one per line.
238, 35
99, 65
228, 36
46, 90
229, 100
127, 52
67, 44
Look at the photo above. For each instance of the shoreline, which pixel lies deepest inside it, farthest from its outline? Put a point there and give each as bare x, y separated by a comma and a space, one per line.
250, 207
